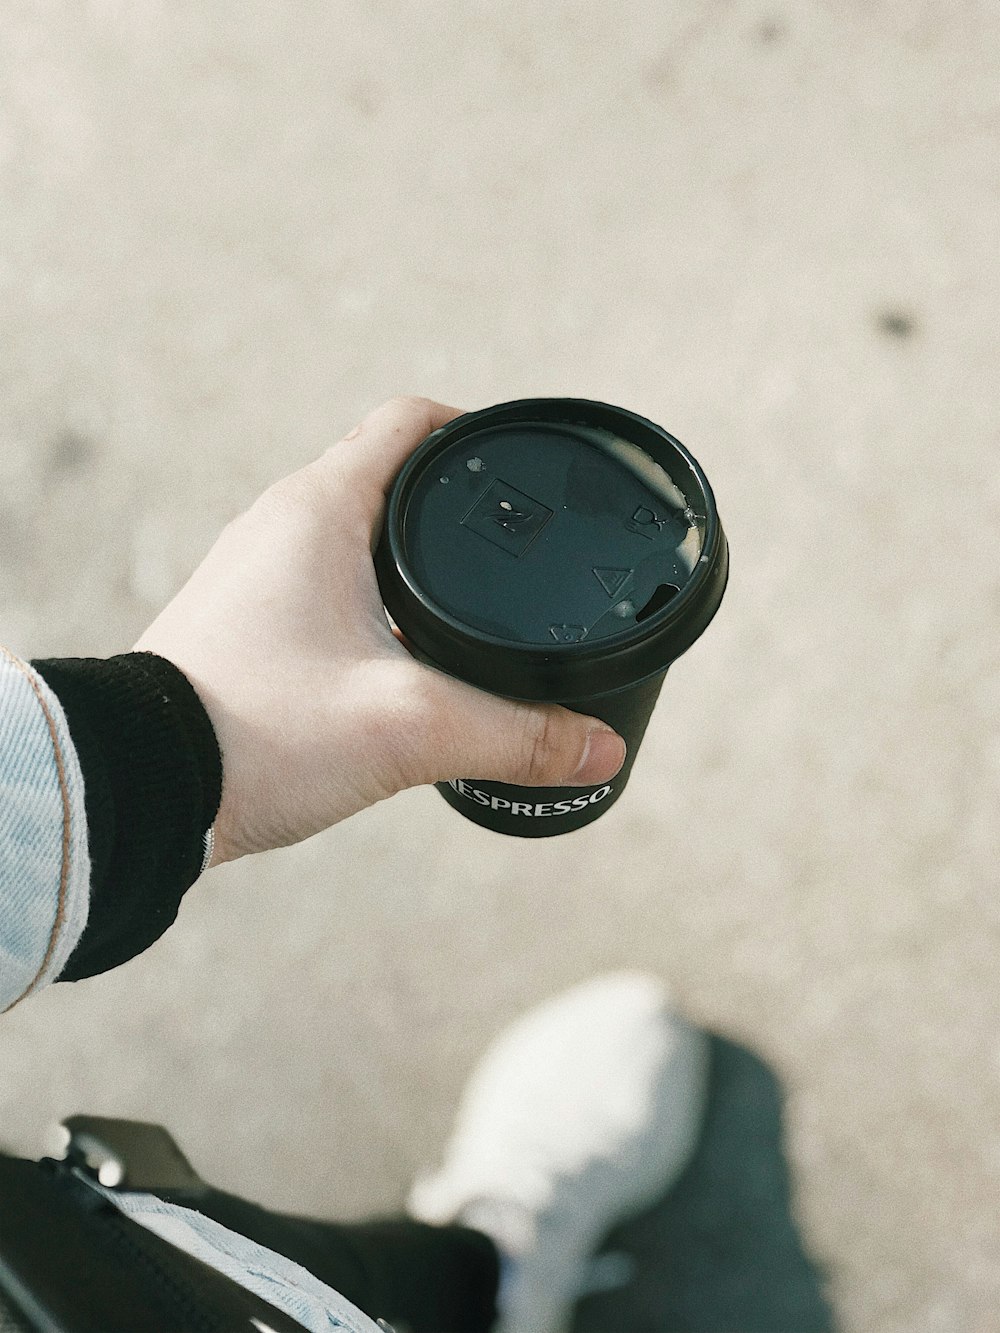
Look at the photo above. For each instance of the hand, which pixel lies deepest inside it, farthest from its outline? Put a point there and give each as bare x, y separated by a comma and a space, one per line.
318, 707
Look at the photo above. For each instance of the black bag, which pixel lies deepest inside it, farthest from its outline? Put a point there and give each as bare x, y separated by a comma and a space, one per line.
71, 1262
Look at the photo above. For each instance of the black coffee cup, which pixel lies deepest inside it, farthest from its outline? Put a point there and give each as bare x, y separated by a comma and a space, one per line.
555, 550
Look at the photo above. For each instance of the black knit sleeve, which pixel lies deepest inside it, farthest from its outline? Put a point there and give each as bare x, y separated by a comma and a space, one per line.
152, 775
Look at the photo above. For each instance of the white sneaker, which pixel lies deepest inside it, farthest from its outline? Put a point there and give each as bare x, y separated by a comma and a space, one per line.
583, 1112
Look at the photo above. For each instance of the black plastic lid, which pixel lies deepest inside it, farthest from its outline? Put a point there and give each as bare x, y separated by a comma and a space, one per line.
552, 549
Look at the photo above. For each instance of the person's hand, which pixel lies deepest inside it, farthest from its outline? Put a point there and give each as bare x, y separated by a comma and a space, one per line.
318, 707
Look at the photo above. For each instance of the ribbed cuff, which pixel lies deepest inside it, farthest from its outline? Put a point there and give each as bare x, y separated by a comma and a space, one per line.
152, 775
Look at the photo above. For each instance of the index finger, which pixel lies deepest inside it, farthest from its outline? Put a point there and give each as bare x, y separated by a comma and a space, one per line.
375, 450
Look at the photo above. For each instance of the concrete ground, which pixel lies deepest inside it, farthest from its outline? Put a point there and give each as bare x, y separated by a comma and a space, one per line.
226, 231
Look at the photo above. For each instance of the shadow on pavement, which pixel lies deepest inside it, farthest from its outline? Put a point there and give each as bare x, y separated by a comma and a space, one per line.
720, 1254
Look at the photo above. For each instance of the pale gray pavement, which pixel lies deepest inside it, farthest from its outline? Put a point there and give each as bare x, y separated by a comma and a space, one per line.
228, 230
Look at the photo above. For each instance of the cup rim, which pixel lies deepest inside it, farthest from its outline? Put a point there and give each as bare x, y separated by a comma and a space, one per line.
431, 625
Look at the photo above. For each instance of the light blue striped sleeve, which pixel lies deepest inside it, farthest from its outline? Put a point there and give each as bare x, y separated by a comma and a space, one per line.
44, 860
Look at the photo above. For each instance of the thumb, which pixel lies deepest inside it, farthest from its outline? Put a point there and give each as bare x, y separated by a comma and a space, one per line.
485, 736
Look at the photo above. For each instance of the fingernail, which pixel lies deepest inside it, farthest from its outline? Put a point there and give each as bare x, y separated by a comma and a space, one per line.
603, 755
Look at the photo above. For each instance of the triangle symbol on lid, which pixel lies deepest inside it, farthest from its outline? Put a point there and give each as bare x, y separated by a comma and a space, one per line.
612, 580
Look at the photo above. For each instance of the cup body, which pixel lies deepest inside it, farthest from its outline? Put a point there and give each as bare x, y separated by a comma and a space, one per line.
543, 812
554, 551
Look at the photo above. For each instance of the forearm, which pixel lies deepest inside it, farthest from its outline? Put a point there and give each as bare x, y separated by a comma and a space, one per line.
44, 858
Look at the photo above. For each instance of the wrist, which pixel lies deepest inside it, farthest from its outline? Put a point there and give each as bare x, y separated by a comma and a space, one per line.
152, 776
